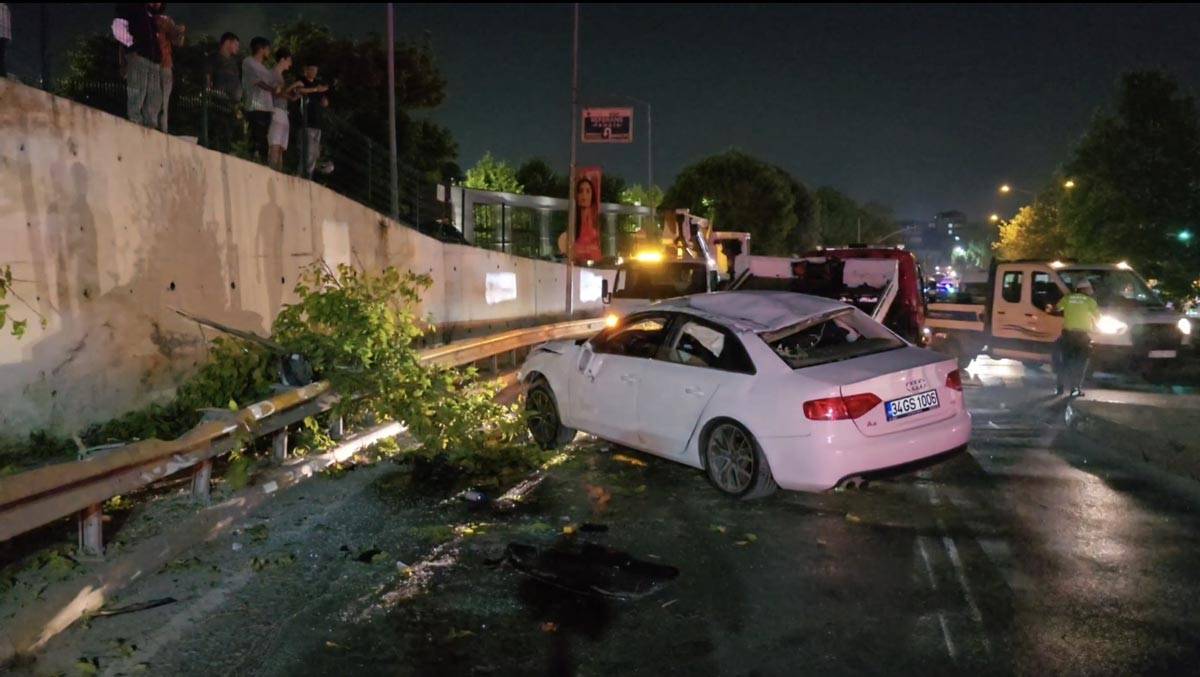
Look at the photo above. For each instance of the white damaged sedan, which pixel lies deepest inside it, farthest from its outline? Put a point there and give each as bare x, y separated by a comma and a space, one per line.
758, 389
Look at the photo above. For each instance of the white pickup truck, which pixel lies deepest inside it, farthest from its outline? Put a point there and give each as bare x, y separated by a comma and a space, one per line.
1014, 318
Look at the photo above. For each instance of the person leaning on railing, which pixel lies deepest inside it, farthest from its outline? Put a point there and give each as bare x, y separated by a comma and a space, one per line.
258, 88
224, 83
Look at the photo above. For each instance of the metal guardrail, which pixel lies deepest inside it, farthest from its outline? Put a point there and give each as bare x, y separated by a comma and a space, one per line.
37, 497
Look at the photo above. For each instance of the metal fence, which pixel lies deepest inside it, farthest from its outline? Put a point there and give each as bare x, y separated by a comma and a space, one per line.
350, 162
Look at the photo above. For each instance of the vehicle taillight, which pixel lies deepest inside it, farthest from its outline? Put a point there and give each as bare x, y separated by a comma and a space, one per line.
840, 408
954, 380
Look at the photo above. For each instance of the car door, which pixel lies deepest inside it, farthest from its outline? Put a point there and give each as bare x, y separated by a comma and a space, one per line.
1044, 294
699, 359
1010, 303
604, 382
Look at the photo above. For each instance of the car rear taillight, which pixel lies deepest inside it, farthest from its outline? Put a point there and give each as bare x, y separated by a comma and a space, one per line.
954, 380
840, 408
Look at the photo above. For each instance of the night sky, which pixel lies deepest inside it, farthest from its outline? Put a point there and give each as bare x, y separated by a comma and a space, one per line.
920, 108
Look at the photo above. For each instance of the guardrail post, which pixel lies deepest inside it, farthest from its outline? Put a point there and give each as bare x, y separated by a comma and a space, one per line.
495, 364
336, 428
279, 445
91, 531
201, 481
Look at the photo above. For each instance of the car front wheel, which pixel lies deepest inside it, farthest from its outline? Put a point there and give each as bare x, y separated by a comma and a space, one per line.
541, 411
735, 464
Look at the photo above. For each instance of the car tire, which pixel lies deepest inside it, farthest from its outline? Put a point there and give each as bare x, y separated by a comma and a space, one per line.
734, 462
545, 424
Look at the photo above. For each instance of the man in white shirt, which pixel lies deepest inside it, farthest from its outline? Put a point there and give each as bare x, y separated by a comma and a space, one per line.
259, 89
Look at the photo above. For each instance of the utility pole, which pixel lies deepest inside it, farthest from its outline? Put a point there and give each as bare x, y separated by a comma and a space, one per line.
391, 71
571, 186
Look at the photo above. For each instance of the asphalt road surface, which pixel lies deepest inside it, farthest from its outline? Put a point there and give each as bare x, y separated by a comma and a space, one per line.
1035, 553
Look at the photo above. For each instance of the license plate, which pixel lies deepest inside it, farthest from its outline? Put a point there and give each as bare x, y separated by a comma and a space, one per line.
913, 404
1161, 354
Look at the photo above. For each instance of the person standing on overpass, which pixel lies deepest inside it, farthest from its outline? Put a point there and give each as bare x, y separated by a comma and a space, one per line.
1080, 312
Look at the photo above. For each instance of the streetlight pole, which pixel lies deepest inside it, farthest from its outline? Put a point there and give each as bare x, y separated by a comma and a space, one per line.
391, 71
571, 216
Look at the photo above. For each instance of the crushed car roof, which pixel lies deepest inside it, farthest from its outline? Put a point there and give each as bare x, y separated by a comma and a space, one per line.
756, 311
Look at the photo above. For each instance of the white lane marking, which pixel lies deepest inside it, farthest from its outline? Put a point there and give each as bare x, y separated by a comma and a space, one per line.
961, 573
946, 636
928, 566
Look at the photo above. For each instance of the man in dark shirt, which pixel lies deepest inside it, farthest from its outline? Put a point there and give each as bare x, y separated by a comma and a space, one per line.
225, 93
314, 98
143, 79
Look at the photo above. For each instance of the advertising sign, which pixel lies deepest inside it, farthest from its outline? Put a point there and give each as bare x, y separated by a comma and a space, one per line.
607, 125
587, 216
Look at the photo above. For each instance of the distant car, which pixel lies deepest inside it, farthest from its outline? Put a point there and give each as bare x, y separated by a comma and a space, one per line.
757, 388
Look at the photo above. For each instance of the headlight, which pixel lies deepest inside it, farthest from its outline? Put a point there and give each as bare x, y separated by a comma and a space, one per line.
1107, 324
611, 320
1185, 326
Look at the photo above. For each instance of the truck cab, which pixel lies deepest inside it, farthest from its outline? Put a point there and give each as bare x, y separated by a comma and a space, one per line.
652, 275
1018, 320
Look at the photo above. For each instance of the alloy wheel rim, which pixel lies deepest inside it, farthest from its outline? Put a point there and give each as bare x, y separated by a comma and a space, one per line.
542, 419
730, 459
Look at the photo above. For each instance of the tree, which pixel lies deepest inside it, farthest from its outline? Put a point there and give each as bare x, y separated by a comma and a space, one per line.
1137, 177
637, 194
841, 220
1036, 232
739, 192
539, 178
492, 174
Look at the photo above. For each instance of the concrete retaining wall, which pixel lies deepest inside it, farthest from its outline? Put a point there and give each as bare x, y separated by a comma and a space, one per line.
107, 224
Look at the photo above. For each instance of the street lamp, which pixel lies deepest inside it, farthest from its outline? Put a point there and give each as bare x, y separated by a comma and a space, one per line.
1007, 188
1184, 236
1069, 184
994, 218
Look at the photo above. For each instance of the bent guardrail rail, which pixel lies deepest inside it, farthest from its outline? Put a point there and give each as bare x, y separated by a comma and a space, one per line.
37, 497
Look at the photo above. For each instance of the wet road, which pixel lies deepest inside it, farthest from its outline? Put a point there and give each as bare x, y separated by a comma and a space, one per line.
1037, 552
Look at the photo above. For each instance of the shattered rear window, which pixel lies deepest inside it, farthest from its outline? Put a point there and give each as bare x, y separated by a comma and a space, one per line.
846, 335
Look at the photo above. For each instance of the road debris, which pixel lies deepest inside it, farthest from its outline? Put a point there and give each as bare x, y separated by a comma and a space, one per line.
130, 608
590, 569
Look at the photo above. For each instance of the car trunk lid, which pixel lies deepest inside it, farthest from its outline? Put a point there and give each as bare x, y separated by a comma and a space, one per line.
895, 375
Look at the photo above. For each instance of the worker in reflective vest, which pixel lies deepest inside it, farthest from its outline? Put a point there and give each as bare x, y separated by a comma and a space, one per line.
1080, 312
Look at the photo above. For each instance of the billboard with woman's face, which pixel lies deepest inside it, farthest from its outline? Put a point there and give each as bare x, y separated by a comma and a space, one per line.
587, 216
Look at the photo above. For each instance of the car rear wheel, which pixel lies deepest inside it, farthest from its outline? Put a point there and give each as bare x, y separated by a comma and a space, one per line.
735, 464
541, 412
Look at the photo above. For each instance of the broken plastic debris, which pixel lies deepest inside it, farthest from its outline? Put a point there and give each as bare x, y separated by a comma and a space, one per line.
637, 463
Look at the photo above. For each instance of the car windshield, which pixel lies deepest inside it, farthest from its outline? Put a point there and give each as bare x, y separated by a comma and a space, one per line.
1115, 287
846, 335
661, 280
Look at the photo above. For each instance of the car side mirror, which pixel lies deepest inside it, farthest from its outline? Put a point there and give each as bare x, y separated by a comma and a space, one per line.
605, 293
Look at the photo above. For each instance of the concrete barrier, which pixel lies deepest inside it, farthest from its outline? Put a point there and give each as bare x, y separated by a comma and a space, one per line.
105, 224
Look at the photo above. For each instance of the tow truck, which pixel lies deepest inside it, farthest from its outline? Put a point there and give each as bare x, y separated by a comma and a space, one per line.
882, 281
1136, 330
689, 259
